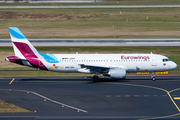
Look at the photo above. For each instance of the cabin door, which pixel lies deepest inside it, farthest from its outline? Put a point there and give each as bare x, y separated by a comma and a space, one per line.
153, 60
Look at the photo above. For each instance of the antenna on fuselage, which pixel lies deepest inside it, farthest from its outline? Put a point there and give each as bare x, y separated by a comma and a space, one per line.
76, 52
151, 53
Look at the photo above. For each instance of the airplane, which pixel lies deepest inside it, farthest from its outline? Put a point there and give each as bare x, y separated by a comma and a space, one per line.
112, 65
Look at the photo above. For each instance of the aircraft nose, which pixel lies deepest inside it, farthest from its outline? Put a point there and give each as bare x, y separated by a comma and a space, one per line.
174, 65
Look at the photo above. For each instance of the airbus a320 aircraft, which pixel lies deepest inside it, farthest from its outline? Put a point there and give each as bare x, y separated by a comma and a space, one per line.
112, 65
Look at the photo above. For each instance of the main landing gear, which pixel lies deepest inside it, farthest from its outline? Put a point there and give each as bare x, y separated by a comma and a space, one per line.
95, 78
153, 77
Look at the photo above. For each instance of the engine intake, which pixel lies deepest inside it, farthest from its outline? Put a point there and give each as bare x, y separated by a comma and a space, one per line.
117, 73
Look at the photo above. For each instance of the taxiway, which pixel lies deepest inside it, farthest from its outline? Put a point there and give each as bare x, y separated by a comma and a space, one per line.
80, 98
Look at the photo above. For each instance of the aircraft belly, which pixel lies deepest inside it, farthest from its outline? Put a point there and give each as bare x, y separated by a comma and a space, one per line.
63, 70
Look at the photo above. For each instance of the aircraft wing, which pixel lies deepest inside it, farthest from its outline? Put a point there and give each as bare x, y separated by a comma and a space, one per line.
93, 68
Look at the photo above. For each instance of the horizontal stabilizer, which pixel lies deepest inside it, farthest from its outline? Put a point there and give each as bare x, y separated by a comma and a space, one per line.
18, 59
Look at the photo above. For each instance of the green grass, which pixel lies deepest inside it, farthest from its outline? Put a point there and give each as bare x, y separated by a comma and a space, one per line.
101, 49
38, 73
92, 23
57, 74
6, 107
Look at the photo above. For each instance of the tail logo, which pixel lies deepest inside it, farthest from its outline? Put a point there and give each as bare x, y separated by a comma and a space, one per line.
16, 33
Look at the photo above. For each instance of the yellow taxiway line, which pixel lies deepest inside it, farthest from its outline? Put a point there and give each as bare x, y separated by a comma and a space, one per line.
168, 93
12, 80
177, 98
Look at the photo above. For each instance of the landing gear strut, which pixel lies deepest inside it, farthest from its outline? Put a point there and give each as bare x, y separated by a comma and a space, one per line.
153, 77
95, 78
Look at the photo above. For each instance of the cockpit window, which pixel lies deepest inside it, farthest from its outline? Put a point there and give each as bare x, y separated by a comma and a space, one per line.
165, 60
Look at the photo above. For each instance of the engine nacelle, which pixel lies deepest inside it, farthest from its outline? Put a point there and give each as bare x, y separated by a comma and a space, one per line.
117, 73
84, 70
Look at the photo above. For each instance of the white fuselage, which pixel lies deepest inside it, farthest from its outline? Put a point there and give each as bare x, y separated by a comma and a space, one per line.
129, 62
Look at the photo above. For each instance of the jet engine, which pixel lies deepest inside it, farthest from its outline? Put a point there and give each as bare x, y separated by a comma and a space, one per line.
117, 73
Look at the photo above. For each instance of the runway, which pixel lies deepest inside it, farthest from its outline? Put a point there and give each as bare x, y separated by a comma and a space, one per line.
98, 42
96, 6
80, 98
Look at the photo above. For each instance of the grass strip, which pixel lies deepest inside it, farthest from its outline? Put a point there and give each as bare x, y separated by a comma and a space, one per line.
6, 107
92, 23
58, 74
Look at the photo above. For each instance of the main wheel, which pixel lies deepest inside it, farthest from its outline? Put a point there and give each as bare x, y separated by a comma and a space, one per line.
95, 79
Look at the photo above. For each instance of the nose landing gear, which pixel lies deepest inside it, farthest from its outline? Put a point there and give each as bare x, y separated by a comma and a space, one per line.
153, 77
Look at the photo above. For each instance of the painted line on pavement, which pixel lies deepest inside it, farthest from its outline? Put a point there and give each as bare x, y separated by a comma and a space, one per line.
168, 93
65, 105
177, 98
12, 80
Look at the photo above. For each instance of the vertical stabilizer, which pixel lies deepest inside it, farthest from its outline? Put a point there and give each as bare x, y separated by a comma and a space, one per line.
22, 47
25, 53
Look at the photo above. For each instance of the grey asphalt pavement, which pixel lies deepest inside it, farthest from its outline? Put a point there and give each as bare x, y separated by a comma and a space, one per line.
80, 98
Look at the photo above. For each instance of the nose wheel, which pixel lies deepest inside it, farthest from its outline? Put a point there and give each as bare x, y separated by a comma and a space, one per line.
153, 77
